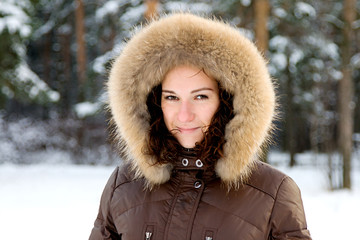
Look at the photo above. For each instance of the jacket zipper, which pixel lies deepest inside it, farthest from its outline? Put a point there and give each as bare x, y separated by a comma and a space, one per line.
149, 231
148, 235
209, 235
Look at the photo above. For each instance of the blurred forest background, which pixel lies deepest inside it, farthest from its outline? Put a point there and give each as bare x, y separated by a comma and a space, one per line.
55, 56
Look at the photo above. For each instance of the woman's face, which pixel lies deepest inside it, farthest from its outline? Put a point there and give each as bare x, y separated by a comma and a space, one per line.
189, 100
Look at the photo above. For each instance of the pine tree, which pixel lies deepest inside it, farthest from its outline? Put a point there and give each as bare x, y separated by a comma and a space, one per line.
18, 81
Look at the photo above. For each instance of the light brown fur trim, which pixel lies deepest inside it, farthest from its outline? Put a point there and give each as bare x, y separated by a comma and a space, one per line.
224, 54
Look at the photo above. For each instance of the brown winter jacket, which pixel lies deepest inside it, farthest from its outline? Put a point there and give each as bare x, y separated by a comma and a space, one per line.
191, 206
241, 198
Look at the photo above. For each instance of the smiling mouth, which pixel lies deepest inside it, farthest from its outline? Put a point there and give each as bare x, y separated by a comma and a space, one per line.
188, 130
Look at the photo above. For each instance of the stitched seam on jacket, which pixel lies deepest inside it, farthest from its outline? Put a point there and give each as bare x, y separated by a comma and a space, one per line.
230, 213
114, 184
283, 180
120, 184
277, 193
139, 205
112, 228
167, 227
112, 192
259, 189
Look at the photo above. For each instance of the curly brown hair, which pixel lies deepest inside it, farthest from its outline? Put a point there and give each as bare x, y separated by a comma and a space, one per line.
163, 145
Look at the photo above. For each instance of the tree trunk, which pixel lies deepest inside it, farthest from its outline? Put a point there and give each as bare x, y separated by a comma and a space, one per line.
346, 94
290, 122
69, 91
261, 12
47, 57
151, 9
80, 41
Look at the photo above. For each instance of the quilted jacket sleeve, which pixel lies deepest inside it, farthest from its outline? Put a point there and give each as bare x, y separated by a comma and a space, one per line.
288, 217
104, 227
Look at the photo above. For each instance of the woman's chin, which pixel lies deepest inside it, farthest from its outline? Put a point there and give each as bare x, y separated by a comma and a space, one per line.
188, 143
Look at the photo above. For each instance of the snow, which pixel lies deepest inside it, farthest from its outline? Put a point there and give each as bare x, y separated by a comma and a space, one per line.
279, 42
303, 9
336, 74
279, 60
355, 60
7, 91
296, 56
355, 24
356, 137
44, 29
14, 18
279, 12
245, 3
327, 48
40, 201
176, 6
109, 8
132, 16
85, 109
61, 200
100, 62
38, 86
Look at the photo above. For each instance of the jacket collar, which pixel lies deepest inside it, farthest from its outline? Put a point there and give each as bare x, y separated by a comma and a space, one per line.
187, 160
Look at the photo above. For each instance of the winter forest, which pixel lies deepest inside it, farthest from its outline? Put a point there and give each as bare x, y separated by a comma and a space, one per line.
54, 62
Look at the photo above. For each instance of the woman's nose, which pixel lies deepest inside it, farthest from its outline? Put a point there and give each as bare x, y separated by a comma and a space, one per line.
186, 113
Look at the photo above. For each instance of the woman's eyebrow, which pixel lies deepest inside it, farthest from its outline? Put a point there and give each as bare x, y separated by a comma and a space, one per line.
202, 89
193, 91
167, 91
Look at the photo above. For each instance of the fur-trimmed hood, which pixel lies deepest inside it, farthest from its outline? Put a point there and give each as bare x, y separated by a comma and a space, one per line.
226, 55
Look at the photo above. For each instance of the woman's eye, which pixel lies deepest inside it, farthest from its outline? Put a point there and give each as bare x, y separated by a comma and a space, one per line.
201, 97
171, 98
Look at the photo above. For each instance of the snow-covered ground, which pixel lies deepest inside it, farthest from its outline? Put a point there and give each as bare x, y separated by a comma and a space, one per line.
47, 201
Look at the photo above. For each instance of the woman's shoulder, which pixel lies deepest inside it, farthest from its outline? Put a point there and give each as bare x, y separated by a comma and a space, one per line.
122, 175
269, 180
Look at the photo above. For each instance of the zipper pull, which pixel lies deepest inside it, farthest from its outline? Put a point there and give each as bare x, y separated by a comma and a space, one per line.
148, 235
209, 235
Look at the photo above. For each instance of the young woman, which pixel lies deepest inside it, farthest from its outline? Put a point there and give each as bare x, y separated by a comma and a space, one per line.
192, 104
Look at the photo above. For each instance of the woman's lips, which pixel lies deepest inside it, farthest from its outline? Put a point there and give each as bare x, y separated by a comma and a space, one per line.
188, 130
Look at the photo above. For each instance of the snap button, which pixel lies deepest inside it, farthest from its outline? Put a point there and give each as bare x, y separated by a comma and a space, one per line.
199, 163
185, 162
197, 184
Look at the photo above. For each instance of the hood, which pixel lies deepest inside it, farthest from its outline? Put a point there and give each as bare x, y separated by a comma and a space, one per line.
226, 55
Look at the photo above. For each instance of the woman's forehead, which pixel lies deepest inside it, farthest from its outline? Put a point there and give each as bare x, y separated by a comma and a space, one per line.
188, 76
